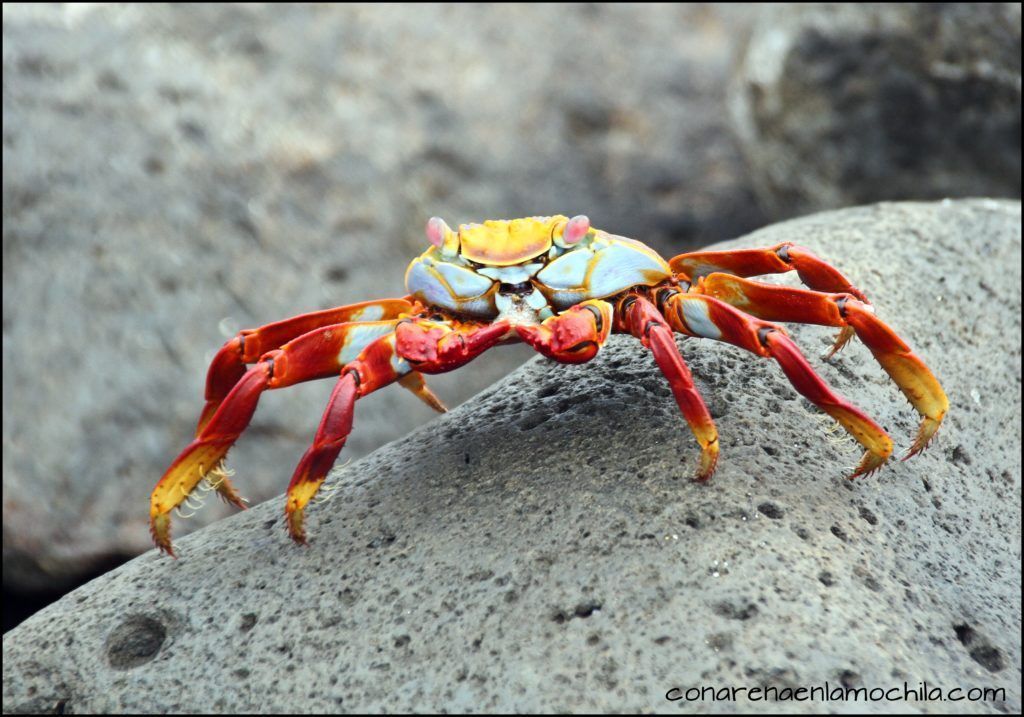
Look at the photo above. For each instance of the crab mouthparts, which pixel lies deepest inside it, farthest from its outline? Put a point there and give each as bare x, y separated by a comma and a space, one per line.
523, 288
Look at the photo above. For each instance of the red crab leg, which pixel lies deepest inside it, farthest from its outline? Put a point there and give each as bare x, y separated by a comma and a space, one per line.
427, 346
708, 317
574, 336
779, 259
641, 318
228, 366
316, 354
780, 303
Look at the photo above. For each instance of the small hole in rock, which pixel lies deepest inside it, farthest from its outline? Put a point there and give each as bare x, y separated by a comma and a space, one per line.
135, 642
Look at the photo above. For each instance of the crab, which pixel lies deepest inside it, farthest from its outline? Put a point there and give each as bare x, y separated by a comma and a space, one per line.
562, 287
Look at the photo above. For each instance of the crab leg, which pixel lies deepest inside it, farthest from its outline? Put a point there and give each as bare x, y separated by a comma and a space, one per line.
707, 317
779, 259
316, 354
228, 366
780, 303
427, 346
641, 318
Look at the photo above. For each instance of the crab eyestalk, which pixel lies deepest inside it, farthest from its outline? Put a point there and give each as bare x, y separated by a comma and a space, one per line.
441, 235
572, 231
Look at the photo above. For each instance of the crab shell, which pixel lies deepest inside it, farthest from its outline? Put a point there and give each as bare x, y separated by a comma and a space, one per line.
541, 258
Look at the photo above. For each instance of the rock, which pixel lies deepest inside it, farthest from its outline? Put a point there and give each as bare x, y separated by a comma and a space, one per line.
542, 547
173, 174
846, 104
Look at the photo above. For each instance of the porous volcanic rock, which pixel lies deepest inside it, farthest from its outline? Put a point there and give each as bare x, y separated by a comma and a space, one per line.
542, 547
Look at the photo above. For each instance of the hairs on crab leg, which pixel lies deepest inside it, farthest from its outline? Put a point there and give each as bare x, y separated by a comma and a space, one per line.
317, 354
219, 479
416, 344
782, 303
250, 345
327, 491
779, 259
707, 317
641, 318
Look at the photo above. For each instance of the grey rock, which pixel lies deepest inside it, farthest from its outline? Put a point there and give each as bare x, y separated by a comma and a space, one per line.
175, 173
841, 104
542, 547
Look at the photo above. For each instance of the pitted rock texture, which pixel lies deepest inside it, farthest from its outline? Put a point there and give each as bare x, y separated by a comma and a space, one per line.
173, 174
542, 547
842, 104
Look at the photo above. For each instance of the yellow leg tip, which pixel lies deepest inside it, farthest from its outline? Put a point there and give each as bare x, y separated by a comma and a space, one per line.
708, 462
296, 525
925, 434
299, 496
870, 463
160, 529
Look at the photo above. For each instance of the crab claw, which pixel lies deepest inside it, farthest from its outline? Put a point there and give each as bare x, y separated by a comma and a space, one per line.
414, 382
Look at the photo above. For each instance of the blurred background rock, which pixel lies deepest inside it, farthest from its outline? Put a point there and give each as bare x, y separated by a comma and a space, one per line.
175, 173
847, 104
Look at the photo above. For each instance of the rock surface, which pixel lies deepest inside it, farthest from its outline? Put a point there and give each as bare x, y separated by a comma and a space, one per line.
541, 548
846, 104
176, 173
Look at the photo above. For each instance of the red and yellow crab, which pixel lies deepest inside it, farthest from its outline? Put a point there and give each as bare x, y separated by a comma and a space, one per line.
562, 287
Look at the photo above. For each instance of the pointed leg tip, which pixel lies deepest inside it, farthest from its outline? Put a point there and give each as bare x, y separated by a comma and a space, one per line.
160, 530
842, 339
230, 496
238, 501
925, 435
708, 463
915, 450
301, 491
295, 520
870, 464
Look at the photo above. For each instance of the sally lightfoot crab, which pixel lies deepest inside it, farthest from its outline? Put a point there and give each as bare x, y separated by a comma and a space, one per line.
562, 287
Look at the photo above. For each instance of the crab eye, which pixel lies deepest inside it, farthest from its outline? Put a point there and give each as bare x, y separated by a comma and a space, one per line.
437, 231
576, 229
